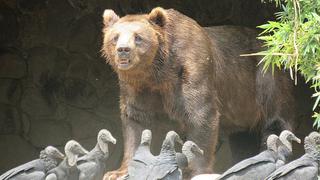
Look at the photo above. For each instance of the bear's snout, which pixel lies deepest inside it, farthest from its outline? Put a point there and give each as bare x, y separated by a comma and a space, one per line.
123, 52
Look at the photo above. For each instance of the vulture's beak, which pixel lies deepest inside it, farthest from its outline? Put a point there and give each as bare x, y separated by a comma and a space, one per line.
201, 151
83, 151
113, 140
297, 139
59, 155
197, 149
179, 140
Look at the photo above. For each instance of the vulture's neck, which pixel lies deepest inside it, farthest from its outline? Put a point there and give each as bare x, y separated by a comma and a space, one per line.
190, 156
49, 162
97, 151
284, 152
312, 151
168, 147
287, 143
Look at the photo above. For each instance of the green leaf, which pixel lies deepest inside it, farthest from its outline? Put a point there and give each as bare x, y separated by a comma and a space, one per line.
317, 100
278, 40
316, 16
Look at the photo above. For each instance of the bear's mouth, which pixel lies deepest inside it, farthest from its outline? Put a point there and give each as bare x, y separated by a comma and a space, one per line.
124, 63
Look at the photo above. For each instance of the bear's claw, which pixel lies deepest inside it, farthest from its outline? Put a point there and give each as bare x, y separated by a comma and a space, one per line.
115, 175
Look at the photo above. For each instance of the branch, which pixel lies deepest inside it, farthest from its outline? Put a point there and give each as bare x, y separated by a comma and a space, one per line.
266, 54
296, 26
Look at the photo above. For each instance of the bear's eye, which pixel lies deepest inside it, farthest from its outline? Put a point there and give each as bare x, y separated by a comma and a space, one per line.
115, 39
138, 39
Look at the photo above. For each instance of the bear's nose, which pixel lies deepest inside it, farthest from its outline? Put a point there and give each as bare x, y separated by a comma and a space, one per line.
123, 49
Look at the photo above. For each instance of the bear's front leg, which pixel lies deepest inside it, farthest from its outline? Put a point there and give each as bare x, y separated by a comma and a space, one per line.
206, 136
202, 124
133, 123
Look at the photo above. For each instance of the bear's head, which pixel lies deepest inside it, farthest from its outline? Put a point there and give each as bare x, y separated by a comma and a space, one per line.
134, 42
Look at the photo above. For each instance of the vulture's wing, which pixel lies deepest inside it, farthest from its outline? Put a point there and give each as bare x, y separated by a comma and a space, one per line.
140, 163
165, 165
182, 160
300, 163
263, 157
35, 165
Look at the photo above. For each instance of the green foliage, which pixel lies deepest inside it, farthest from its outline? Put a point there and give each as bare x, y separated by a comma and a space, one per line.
293, 42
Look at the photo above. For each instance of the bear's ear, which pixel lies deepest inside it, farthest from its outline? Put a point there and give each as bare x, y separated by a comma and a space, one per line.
158, 16
109, 17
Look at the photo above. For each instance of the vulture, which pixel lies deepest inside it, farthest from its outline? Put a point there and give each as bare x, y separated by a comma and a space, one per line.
256, 167
165, 166
92, 166
36, 169
142, 158
67, 169
190, 151
285, 149
304, 168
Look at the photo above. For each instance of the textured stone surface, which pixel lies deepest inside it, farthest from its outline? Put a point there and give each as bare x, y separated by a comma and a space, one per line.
78, 67
60, 18
12, 66
83, 35
45, 132
102, 77
25, 124
35, 104
47, 66
108, 106
10, 120
79, 93
9, 27
85, 124
10, 91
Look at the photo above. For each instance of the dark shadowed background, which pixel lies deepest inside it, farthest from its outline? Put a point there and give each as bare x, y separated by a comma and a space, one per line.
54, 86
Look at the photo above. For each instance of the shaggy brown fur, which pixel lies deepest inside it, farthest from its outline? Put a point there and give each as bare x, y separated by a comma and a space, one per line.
186, 78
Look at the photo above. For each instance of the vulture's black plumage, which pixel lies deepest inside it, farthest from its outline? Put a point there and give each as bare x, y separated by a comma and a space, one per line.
92, 166
67, 169
36, 169
257, 167
166, 167
142, 160
190, 152
304, 168
285, 149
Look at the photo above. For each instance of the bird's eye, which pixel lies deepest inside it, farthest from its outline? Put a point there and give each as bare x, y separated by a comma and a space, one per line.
138, 39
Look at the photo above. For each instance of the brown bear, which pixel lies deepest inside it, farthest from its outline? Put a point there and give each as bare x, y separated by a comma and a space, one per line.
176, 75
